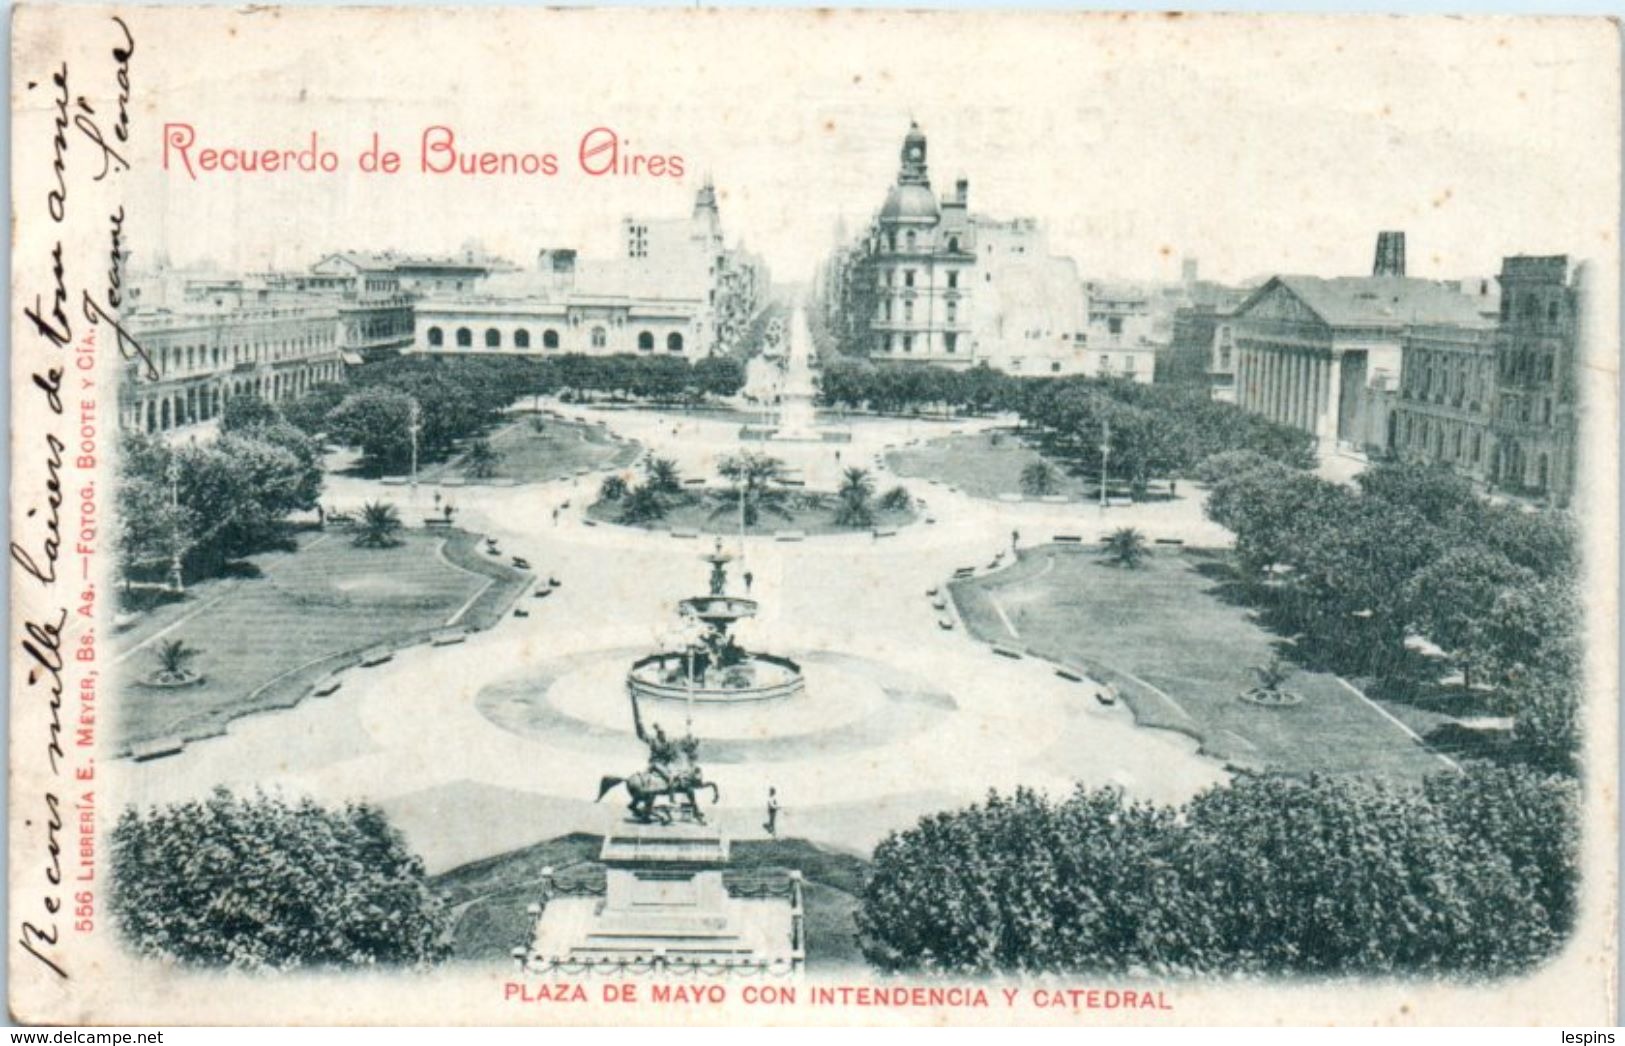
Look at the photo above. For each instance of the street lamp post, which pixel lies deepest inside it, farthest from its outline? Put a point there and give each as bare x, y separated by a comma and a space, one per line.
414, 427
177, 582
1105, 455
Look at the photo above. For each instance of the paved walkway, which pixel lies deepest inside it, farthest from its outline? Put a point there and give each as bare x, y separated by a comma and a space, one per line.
408, 734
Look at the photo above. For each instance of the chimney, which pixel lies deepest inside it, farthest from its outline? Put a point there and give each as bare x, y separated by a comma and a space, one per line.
1390, 254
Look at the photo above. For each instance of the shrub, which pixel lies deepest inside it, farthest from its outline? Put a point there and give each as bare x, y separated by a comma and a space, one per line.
612, 489
1469, 877
897, 499
263, 882
1215, 468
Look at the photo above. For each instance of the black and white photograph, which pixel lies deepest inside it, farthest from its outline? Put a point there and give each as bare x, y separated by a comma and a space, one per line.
596, 516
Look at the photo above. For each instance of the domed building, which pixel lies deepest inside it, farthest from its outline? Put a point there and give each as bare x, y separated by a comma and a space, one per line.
912, 284
930, 283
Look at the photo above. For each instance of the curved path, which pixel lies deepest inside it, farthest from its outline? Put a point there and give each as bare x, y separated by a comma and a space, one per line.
412, 735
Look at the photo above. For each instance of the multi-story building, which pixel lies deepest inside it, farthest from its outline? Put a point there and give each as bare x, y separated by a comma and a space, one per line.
1536, 350
205, 355
928, 282
673, 289
1446, 398
1324, 355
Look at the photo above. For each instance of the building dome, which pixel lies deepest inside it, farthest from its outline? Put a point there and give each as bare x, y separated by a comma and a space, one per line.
907, 201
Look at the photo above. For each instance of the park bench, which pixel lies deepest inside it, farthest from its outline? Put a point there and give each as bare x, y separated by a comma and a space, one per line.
521, 562
945, 623
695, 481
1010, 499
373, 660
684, 532
520, 612
1068, 539
436, 522
327, 689
885, 532
1069, 673
1009, 651
789, 535
448, 638
542, 592
1169, 541
962, 573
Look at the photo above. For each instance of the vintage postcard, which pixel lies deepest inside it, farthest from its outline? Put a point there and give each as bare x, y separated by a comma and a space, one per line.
807, 517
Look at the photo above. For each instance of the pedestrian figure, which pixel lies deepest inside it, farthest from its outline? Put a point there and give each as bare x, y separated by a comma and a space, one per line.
749, 577
555, 515
1173, 488
772, 825
1015, 538
837, 457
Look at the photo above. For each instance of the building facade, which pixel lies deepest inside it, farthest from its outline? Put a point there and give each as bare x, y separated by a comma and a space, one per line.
1324, 355
1447, 392
930, 283
1534, 423
203, 357
674, 288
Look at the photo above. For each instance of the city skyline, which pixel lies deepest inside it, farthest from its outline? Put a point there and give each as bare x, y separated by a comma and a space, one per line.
1139, 150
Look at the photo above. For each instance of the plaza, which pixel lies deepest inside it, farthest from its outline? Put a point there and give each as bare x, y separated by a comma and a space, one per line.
496, 742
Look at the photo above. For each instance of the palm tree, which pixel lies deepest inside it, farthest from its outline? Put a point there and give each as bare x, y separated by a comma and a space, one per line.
757, 483
480, 460
173, 656
856, 496
380, 523
643, 504
1038, 479
612, 489
661, 475
1126, 547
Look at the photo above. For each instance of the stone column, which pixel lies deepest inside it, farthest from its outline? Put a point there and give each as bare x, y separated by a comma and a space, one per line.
1276, 385
1334, 399
1293, 416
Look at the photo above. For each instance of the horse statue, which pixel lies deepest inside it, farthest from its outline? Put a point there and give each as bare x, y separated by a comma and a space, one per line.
647, 787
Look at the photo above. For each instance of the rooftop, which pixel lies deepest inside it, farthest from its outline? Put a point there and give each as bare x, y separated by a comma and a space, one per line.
1379, 301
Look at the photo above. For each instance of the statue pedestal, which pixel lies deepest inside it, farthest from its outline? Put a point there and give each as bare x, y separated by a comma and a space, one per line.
664, 901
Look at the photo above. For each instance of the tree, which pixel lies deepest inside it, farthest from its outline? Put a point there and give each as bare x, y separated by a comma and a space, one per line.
481, 459
1265, 875
1215, 468
1126, 547
612, 489
662, 476
266, 883
1038, 479
1451, 601
173, 657
757, 484
379, 525
643, 504
247, 411
855, 498
897, 499
377, 420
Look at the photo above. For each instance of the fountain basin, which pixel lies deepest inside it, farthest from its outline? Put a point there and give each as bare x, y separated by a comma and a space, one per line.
757, 677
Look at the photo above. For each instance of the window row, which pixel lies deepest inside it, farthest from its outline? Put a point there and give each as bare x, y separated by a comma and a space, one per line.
464, 339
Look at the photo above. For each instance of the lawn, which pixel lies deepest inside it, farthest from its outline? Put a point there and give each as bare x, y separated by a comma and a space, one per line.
985, 465
263, 639
556, 451
1181, 655
489, 897
811, 514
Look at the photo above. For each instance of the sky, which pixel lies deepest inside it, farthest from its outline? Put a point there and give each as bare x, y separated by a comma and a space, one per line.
1256, 144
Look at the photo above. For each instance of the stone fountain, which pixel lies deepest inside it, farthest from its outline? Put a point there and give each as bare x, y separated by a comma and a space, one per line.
713, 668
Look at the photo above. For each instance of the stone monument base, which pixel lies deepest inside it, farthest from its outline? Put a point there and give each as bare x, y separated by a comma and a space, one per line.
664, 902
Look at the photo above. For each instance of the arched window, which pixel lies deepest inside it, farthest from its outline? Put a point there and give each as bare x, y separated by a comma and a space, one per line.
437, 337
908, 241
465, 338
493, 338
674, 342
600, 337
550, 339
521, 339
646, 342
1551, 312
953, 246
